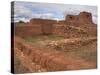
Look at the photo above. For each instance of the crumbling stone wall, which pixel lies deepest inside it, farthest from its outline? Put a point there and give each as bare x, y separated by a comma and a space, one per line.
76, 26
29, 30
71, 26
41, 22
58, 29
46, 29
85, 18
82, 19
25, 31
34, 27
68, 31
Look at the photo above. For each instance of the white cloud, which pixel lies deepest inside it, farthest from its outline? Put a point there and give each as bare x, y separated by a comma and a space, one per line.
21, 19
21, 12
25, 14
43, 15
94, 19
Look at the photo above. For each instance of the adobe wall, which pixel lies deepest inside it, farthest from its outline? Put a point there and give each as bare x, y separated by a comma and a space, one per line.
68, 27
58, 29
76, 26
25, 31
66, 31
32, 30
41, 22
74, 31
34, 27
83, 18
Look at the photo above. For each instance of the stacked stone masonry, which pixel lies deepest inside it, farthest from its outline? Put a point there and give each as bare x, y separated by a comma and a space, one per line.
73, 24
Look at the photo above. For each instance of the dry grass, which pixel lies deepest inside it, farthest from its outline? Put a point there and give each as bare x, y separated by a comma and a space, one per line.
18, 66
84, 48
84, 55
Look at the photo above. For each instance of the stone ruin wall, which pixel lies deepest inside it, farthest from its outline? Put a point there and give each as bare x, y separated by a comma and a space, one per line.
34, 27
76, 26
25, 31
62, 28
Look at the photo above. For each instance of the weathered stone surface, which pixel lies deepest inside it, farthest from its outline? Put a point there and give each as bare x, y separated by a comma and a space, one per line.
28, 30
42, 22
82, 19
73, 26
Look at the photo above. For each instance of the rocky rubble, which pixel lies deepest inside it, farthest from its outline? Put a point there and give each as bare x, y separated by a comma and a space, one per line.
69, 44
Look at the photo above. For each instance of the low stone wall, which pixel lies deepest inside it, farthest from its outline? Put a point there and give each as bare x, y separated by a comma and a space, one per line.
68, 28
31, 30
25, 31
74, 31
58, 29
55, 29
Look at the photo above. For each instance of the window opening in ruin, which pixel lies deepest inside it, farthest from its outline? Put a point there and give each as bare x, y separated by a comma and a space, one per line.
70, 17
87, 15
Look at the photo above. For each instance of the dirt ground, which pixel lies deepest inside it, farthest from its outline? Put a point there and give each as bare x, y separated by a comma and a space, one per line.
54, 53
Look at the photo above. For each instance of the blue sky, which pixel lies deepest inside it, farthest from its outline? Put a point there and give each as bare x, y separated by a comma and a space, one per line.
28, 10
